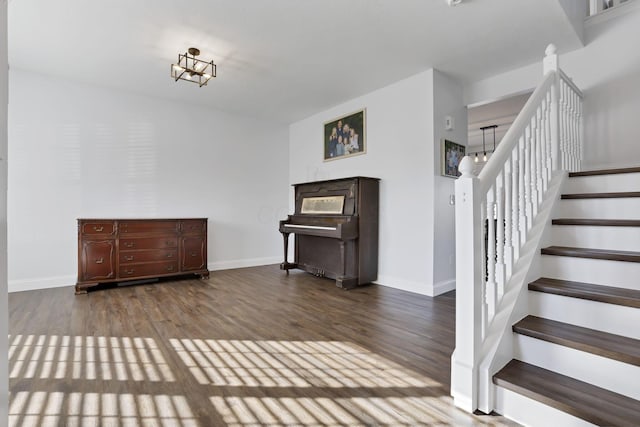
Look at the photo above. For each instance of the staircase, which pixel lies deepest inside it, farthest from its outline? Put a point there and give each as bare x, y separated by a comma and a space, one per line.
576, 355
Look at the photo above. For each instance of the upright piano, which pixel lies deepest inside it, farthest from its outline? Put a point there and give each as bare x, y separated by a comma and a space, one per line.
336, 230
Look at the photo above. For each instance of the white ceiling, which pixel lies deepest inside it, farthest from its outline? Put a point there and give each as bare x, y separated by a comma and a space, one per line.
279, 59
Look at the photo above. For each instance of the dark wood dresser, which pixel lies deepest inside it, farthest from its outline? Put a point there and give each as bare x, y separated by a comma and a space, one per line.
336, 230
120, 250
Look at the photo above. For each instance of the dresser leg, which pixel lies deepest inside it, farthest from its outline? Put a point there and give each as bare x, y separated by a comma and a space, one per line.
82, 289
346, 282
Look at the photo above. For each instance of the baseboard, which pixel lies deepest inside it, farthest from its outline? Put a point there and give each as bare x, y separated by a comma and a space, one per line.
242, 263
444, 287
41, 283
61, 281
405, 285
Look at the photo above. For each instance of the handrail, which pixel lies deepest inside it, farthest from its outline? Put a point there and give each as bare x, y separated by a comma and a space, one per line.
510, 139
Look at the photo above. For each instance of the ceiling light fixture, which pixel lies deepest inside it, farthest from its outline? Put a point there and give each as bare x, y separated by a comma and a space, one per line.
191, 69
484, 128
454, 2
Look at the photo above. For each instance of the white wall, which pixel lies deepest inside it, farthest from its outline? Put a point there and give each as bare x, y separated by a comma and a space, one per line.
607, 70
399, 152
82, 151
405, 125
4, 309
448, 100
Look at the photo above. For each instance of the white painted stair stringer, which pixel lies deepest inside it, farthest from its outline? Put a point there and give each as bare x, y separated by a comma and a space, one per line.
497, 348
610, 374
530, 412
603, 183
610, 318
597, 271
598, 237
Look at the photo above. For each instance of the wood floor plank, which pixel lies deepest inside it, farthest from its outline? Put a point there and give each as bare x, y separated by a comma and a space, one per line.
597, 222
245, 347
610, 195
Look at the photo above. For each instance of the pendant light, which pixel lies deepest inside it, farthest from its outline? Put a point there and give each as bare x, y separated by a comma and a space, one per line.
483, 129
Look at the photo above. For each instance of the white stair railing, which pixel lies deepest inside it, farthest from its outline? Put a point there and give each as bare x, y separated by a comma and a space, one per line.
496, 210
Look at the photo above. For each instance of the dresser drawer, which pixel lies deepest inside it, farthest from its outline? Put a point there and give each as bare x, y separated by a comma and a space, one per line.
97, 259
193, 226
133, 226
97, 227
148, 243
148, 269
128, 257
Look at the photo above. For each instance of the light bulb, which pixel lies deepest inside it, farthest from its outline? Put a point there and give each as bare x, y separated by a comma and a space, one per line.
177, 67
484, 158
206, 76
187, 76
476, 159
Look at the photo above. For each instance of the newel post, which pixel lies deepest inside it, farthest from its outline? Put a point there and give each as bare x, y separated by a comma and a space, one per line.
469, 295
551, 64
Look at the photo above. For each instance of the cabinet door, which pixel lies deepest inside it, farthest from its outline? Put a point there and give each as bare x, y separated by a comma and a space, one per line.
194, 253
98, 259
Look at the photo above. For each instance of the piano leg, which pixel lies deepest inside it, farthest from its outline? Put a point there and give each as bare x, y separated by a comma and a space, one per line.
346, 282
286, 265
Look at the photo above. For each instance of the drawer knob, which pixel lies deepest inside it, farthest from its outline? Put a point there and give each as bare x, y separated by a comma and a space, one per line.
100, 260
130, 271
128, 257
129, 244
98, 228
193, 254
170, 268
170, 255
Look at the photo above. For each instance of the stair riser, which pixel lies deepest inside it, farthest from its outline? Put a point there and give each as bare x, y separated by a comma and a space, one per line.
599, 272
616, 238
611, 318
603, 183
530, 412
602, 372
623, 208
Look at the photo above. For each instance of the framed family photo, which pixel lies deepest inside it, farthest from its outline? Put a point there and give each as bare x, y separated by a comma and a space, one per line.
345, 136
451, 154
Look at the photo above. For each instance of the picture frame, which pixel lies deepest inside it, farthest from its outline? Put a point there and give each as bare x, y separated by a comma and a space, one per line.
451, 154
345, 136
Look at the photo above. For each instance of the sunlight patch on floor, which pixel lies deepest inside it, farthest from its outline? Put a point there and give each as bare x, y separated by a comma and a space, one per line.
89, 358
41, 409
292, 364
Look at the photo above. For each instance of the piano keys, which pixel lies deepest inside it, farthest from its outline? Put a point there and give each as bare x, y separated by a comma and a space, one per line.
335, 225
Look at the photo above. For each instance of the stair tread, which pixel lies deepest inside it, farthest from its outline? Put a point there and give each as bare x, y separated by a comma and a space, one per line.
604, 172
611, 195
583, 400
617, 347
605, 254
589, 291
597, 222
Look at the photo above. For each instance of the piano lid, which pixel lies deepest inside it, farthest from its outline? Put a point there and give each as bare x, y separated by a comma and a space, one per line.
322, 205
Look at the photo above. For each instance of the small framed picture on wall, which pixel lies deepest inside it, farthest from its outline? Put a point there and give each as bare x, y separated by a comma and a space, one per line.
345, 136
451, 154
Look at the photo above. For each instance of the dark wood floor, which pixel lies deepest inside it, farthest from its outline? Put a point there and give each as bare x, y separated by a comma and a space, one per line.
245, 347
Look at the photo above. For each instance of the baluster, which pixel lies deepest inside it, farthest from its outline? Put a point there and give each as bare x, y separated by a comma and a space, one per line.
538, 146
532, 171
491, 252
543, 144
484, 263
500, 232
570, 130
565, 126
580, 132
508, 218
576, 132
548, 133
515, 198
522, 192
